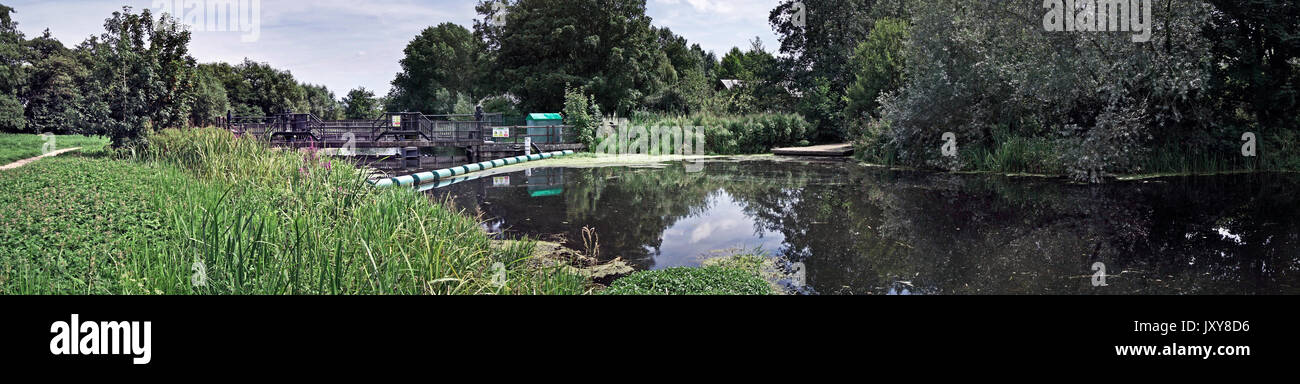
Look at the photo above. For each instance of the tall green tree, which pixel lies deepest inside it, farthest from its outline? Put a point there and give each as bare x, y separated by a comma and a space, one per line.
361, 104
268, 90
686, 70
54, 87
211, 101
817, 38
604, 46
1257, 43
322, 103
11, 73
142, 75
446, 57
877, 66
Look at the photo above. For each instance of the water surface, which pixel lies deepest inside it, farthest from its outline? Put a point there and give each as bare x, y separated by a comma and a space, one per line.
858, 230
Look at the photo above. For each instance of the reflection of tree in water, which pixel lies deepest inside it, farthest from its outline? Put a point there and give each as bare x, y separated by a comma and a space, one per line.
860, 230
928, 233
633, 207
629, 208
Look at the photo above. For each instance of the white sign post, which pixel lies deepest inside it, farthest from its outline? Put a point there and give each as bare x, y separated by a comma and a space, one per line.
528, 146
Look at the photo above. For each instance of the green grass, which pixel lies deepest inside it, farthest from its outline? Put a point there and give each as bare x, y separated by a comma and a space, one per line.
68, 225
252, 219
14, 147
712, 280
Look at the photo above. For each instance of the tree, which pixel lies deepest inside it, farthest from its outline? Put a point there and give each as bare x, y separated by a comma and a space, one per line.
11, 73
54, 88
604, 46
321, 102
211, 101
446, 57
1257, 46
142, 77
981, 71
817, 37
361, 104
577, 113
268, 90
687, 71
877, 65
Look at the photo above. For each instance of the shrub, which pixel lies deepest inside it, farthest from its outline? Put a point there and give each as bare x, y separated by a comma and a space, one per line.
737, 135
691, 281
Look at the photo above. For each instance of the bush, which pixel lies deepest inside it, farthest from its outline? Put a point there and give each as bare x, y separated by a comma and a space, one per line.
267, 221
582, 113
738, 135
691, 281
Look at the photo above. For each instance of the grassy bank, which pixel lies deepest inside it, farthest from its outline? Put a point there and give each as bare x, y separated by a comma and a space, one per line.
201, 212
14, 147
1011, 154
732, 275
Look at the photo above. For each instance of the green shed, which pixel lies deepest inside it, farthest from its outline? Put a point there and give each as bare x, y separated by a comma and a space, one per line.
541, 135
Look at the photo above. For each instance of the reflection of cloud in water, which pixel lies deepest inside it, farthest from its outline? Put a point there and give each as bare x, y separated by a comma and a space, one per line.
723, 226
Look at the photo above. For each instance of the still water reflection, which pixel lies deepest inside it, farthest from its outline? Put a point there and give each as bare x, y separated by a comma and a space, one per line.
868, 231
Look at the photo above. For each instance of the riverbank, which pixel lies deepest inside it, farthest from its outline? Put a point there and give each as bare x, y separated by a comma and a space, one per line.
201, 212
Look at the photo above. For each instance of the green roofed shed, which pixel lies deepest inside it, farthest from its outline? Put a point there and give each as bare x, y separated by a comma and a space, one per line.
544, 120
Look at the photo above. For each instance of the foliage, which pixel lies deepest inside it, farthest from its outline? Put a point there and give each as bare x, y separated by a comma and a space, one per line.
736, 135
763, 86
604, 46
257, 221
441, 62
578, 108
507, 106
1100, 101
878, 65
817, 45
11, 73
142, 77
361, 104
691, 281
210, 99
322, 103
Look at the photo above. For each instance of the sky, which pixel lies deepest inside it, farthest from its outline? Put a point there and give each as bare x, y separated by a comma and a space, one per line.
344, 44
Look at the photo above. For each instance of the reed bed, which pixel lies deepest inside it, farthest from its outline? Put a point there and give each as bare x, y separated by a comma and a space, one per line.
228, 215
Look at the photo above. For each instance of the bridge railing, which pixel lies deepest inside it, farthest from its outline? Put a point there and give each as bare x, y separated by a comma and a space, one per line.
433, 128
552, 134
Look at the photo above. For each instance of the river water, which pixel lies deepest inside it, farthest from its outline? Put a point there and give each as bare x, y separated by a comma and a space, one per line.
852, 229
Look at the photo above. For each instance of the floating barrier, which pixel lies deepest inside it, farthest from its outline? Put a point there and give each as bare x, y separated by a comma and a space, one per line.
454, 172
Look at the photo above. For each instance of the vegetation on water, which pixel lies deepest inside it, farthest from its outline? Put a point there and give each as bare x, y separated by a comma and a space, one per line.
202, 212
14, 147
691, 281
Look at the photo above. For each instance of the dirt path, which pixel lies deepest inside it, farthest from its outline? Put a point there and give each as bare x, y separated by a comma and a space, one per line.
20, 163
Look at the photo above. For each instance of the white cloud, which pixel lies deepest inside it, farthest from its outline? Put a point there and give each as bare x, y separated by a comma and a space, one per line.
345, 44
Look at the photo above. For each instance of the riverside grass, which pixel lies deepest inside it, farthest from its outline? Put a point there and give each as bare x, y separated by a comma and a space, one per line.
209, 213
14, 147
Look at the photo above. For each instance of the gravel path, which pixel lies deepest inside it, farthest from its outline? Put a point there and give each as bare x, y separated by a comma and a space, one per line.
20, 163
